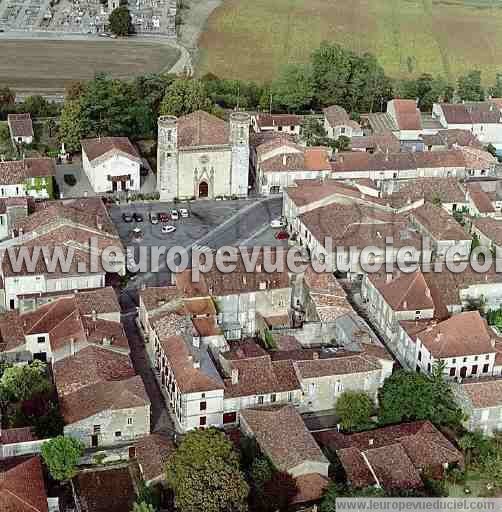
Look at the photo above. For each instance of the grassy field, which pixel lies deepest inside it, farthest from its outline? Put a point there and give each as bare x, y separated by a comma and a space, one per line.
35, 64
253, 39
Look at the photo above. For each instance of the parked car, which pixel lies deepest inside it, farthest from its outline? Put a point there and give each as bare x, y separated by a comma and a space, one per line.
154, 218
168, 229
163, 216
137, 217
277, 223
184, 213
175, 215
282, 235
127, 217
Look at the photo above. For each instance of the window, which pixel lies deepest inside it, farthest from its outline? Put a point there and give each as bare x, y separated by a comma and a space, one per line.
420, 356
169, 135
40, 339
429, 367
97, 429
129, 421
273, 397
290, 396
260, 399
118, 433
342, 129
487, 356
202, 421
203, 406
475, 358
474, 369
486, 367
465, 359
454, 360
452, 372
203, 395
280, 128
229, 417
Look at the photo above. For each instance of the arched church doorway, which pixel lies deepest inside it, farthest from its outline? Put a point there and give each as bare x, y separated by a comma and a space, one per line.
203, 189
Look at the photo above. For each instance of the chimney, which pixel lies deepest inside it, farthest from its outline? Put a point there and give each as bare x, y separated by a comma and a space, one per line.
315, 356
405, 304
106, 341
284, 160
99, 222
388, 278
94, 315
428, 293
72, 346
370, 442
235, 376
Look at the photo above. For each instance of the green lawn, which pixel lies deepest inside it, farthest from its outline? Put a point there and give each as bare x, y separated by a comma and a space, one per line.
252, 40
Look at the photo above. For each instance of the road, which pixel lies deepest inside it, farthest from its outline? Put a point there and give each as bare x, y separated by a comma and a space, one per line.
213, 224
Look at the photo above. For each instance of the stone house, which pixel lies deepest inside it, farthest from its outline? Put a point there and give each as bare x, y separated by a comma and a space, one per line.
337, 122
112, 164
20, 128
107, 413
483, 119
77, 231
393, 457
448, 239
64, 326
283, 437
33, 177
481, 401
281, 123
279, 162
489, 232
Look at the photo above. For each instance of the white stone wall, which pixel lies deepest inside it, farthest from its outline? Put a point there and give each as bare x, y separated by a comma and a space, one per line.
112, 164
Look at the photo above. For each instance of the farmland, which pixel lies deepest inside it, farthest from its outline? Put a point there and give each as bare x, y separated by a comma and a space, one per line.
253, 40
33, 64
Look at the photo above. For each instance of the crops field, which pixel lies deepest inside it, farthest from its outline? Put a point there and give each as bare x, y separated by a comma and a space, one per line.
33, 64
254, 39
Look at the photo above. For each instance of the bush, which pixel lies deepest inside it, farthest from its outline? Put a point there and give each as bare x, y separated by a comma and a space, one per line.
70, 180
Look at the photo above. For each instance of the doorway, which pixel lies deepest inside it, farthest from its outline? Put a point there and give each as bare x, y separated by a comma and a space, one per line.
203, 189
94, 441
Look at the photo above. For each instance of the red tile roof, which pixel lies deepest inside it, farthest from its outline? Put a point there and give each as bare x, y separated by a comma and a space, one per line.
283, 436
89, 366
16, 172
407, 114
103, 396
94, 148
272, 120
483, 393
20, 125
22, 487
202, 129
480, 198
152, 452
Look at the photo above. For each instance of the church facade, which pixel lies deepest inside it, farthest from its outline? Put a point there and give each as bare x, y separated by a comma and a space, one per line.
201, 156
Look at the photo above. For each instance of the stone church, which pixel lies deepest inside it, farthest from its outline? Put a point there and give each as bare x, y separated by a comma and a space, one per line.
201, 156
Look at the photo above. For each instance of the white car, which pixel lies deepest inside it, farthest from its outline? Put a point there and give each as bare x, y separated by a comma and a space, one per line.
154, 218
277, 223
168, 229
175, 215
184, 213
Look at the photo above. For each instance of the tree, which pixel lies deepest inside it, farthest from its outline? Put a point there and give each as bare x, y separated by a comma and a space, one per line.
19, 383
142, 507
61, 456
204, 474
469, 87
354, 409
408, 395
342, 143
120, 21
294, 89
184, 96
496, 90
7, 97
71, 125
313, 132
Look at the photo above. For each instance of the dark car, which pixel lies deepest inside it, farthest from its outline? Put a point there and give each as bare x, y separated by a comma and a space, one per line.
282, 235
138, 217
127, 217
163, 216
